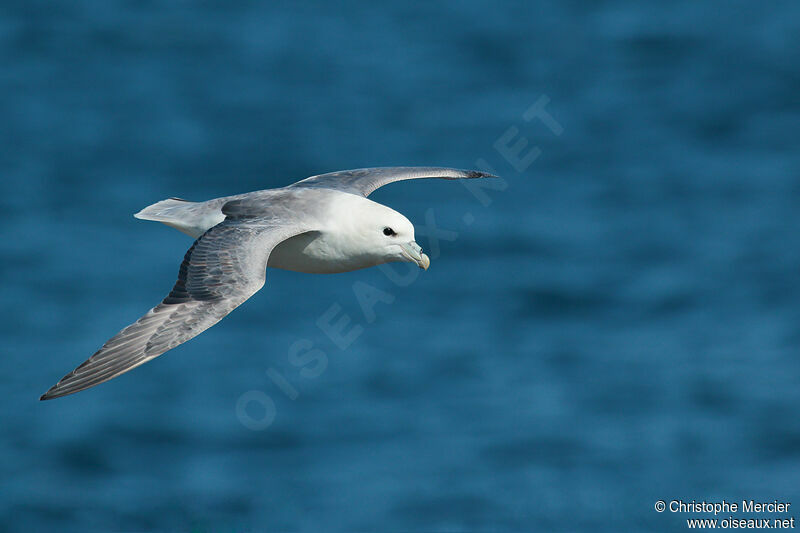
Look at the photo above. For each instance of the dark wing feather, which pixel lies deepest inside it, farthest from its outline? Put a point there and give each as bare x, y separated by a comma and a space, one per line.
365, 180
221, 270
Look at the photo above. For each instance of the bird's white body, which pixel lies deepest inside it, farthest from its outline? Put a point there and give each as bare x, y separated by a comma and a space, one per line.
349, 235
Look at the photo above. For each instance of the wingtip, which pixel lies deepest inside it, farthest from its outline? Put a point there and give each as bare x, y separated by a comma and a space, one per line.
53, 393
479, 174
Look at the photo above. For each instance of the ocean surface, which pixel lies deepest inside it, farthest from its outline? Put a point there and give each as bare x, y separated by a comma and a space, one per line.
612, 324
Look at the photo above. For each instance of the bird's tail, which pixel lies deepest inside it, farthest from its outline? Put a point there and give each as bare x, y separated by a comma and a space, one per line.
192, 218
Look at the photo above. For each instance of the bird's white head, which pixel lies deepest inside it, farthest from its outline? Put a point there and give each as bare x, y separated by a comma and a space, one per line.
381, 235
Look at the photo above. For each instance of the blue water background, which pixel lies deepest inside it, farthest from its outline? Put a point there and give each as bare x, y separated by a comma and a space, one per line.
619, 325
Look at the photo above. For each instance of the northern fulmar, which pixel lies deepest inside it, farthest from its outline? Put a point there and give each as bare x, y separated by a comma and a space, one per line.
322, 224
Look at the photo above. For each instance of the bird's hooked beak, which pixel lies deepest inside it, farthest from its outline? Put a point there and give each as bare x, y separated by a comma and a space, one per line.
413, 252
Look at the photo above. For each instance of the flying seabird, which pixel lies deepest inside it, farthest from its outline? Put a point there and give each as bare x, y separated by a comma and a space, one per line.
322, 224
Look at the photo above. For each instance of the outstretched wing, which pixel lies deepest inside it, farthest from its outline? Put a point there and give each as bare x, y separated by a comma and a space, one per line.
365, 180
222, 269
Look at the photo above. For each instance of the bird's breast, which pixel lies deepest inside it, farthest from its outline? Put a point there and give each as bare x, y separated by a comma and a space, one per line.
319, 253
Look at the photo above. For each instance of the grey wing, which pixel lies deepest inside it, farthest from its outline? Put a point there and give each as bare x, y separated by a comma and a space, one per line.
221, 270
365, 180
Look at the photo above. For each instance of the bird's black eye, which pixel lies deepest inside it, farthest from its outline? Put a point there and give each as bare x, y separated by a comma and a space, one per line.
388, 232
